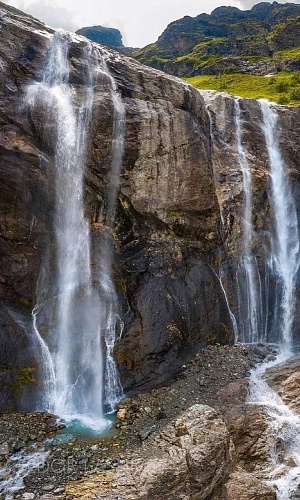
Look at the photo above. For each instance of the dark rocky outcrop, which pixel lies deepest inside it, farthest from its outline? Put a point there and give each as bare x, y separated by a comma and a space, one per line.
111, 37
229, 40
105, 36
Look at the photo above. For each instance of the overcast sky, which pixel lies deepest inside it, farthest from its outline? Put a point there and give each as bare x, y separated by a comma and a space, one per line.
140, 21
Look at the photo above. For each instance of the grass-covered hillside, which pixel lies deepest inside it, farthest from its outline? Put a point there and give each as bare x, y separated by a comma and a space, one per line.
263, 40
283, 88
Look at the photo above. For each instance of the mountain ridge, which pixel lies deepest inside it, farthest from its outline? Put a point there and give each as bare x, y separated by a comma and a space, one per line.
259, 41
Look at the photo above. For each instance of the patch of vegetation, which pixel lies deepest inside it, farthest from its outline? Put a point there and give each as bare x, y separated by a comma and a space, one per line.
291, 54
283, 88
173, 213
26, 302
24, 377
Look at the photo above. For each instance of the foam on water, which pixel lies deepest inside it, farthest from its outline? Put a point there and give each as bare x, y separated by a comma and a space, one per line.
21, 465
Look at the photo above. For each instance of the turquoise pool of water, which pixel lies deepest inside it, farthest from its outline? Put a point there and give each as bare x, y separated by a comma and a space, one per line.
83, 430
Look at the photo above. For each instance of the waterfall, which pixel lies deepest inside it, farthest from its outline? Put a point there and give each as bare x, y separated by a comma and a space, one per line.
249, 296
112, 388
285, 256
77, 313
206, 95
20, 465
284, 424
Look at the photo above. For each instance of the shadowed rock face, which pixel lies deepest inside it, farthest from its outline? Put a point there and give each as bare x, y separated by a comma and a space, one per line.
168, 238
100, 34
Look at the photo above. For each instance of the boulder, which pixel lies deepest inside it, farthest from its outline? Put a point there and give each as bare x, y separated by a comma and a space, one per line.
244, 486
249, 430
190, 458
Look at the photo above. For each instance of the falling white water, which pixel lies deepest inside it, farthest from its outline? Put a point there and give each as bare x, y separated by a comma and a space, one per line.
285, 241
232, 316
73, 309
284, 427
206, 95
284, 423
250, 303
47, 366
112, 388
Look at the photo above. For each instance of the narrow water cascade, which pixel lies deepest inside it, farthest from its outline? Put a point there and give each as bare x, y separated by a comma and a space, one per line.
112, 388
285, 257
222, 273
248, 277
22, 464
284, 263
284, 431
77, 311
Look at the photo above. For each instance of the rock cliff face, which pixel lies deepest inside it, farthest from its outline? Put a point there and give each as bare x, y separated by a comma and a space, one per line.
169, 236
230, 189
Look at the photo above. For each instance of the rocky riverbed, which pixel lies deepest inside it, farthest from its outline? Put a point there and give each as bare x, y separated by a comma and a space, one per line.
214, 381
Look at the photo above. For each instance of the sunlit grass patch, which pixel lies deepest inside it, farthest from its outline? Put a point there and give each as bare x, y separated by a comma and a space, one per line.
283, 88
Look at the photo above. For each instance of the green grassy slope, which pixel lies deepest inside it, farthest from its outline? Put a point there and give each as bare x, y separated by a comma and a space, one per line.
283, 88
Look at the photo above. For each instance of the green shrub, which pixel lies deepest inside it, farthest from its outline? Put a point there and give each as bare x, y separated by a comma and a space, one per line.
295, 80
282, 86
283, 99
295, 94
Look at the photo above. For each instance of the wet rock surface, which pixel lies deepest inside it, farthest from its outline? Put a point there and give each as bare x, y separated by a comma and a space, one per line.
285, 380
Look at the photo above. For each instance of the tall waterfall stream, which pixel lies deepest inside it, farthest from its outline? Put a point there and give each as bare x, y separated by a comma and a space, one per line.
251, 323
80, 382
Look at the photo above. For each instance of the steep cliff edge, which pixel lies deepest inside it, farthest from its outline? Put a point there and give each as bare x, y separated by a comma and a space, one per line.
168, 215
